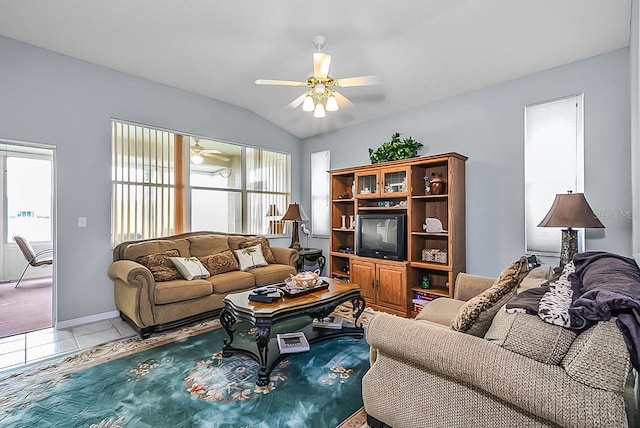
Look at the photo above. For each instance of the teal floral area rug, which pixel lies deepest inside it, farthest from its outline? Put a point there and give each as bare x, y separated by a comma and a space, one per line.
179, 379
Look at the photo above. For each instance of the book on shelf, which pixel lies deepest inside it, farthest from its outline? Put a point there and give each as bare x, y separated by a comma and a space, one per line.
290, 343
332, 322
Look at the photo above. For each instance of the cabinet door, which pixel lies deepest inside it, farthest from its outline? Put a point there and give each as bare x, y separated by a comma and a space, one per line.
363, 274
367, 185
392, 289
394, 182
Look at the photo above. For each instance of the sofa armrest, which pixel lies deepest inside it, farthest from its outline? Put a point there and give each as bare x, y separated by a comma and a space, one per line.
535, 387
133, 291
285, 256
468, 286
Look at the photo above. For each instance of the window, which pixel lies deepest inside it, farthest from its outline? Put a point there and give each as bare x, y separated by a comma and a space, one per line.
28, 190
159, 190
320, 165
144, 171
554, 163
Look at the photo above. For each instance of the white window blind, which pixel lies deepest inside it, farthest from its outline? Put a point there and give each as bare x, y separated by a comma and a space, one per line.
143, 177
554, 163
320, 165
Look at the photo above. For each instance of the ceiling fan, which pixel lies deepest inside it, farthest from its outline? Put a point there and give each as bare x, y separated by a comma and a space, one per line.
197, 153
322, 94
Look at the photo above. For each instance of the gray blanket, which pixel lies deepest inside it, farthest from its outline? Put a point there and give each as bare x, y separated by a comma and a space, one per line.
605, 285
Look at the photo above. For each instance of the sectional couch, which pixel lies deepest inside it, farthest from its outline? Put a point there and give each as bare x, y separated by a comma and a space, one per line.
151, 297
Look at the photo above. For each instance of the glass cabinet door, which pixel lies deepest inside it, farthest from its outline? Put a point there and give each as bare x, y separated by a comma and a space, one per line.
394, 182
367, 185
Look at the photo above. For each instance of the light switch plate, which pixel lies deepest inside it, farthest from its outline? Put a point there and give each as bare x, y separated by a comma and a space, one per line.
82, 222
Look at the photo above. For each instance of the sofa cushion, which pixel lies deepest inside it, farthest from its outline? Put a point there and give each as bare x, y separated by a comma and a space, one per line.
475, 316
264, 245
250, 257
180, 290
535, 278
528, 335
222, 262
145, 248
160, 265
204, 245
191, 268
272, 274
230, 282
441, 311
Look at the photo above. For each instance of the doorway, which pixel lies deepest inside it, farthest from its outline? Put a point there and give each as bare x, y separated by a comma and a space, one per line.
27, 188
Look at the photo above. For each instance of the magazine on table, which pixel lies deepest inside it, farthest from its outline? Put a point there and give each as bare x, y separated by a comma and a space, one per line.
290, 343
332, 322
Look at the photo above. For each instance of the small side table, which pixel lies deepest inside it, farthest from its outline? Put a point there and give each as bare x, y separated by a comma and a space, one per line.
310, 256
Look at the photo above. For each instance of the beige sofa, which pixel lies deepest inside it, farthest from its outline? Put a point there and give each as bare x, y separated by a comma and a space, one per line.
151, 306
425, 374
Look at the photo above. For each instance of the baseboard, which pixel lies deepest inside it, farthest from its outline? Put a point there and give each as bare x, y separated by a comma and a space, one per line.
86, 320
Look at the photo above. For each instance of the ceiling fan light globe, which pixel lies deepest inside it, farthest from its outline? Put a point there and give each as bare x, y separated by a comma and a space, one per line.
196, 159
319, 111
319, 88
332, 104
307, 105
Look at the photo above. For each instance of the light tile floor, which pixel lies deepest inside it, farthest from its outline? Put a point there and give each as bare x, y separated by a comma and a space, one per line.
21, 349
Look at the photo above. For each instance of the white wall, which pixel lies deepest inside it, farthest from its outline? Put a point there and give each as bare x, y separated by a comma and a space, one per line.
53, 99
487, 126
634, 48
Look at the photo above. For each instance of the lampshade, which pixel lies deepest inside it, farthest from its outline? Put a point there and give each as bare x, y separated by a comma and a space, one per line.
307, 105
332, 103
273, 211
293, 213
196, 159
571, 210
319, 111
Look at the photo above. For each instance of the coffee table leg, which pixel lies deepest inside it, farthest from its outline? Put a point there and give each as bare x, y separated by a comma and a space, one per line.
358, 307
263, 335
227, 320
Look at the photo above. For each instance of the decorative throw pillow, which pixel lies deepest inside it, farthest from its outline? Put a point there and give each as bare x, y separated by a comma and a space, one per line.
475, 316
190, 268
264, 244
160, 265
250, 257
222, 262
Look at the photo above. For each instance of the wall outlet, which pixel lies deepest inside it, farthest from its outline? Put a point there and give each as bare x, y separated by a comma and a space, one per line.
82, 222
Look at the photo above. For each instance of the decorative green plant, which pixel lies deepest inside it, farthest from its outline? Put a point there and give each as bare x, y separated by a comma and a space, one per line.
249, 252
395, 149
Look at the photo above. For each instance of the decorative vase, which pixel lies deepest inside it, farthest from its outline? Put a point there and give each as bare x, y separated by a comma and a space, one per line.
344, 222
437, 185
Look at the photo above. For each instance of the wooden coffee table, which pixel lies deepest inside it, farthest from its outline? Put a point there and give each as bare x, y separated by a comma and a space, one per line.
317, 304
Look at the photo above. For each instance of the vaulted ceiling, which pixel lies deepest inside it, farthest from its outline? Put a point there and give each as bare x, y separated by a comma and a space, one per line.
422, 50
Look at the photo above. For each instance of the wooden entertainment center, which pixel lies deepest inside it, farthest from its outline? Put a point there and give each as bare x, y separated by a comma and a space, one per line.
399, 188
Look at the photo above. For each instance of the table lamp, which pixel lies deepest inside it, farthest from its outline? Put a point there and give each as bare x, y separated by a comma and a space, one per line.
293, 215
570, 210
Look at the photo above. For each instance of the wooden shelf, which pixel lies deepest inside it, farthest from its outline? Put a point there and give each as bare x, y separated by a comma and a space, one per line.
340, 254
339, 229
343, 200
444, 196
435, 291
427, 265
396, 208
434, 234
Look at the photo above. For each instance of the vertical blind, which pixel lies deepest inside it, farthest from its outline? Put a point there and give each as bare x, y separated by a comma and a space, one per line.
268, 183
144, 171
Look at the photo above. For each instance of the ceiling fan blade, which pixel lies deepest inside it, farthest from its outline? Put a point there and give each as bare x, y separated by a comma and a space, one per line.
295, 103
279, 82
211, 151
321, 64
216, 156
341, 99
358, 81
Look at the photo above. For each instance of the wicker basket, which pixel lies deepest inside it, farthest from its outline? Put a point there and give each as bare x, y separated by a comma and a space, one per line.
434, 255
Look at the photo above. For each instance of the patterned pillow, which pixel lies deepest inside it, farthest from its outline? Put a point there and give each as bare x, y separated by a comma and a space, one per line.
161, 266
475, 316
250, 257
220, 263
264, 244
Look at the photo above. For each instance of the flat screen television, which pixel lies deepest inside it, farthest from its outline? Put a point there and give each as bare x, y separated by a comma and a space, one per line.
381, 236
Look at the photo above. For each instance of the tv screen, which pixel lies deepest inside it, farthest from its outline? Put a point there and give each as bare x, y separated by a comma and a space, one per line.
381, 236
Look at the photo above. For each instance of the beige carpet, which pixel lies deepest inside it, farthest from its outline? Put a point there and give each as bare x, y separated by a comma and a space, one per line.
26, 308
